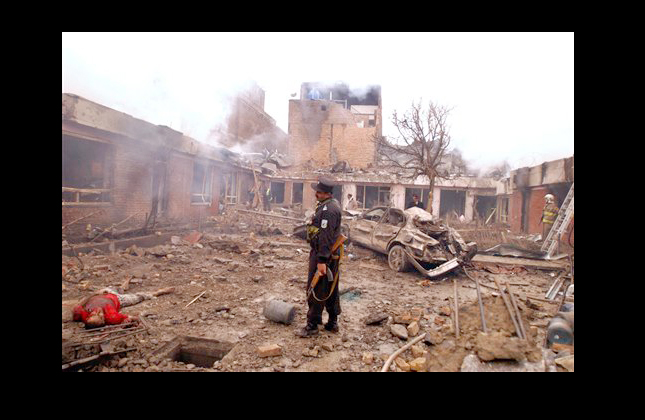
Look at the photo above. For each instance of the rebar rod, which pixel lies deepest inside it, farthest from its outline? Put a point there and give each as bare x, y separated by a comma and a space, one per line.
508, 307
517, 310
456, 309
479, 299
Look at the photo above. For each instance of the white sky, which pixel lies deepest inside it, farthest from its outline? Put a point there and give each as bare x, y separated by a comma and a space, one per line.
511, 93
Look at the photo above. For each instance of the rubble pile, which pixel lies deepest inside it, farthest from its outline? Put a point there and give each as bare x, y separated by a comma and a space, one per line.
224, 280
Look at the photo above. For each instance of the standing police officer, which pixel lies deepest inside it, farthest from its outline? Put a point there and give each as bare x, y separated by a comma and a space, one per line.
322, 233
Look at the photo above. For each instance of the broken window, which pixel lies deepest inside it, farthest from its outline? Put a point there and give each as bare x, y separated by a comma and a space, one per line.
422, 193
87, 171
277, 192
374, 215
230, 193
368, 196
503, 210
395, 217
297, 193
201, 187
485, 205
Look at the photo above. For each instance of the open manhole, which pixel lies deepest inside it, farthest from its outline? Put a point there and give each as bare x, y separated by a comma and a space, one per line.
201, 352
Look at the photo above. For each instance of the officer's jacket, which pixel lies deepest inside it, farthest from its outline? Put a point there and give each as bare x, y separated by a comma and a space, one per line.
324, 228
549, 213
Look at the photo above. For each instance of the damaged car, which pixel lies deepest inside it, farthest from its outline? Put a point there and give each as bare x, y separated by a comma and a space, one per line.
411, 238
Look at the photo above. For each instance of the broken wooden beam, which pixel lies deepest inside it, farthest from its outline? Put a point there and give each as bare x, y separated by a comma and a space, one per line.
81, 218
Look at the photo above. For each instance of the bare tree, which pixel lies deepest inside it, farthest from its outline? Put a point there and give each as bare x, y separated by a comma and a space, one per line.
422, 143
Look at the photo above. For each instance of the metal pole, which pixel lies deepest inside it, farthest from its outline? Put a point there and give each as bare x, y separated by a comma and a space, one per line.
517, 309
479, 299
456, 309
508, 307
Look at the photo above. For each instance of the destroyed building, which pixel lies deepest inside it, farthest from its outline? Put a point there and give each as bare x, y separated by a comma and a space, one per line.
525, 190
127, 167
333, 123
249, 127
115, 166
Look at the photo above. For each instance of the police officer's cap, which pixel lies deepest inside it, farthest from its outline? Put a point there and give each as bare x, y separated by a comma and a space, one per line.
324, 185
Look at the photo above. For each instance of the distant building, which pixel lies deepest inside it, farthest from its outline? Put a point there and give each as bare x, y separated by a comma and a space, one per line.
334, 123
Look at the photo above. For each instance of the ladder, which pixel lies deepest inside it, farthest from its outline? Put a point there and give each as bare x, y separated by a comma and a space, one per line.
560, 225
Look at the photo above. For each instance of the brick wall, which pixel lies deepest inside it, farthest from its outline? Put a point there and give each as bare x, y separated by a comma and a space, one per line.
535, 206
131, 188
328, 135
249, 125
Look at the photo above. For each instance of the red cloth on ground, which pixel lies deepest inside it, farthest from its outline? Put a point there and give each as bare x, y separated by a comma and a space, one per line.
108, 302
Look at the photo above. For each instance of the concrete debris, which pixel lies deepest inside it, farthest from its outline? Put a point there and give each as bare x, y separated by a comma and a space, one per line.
248, 260
399, 331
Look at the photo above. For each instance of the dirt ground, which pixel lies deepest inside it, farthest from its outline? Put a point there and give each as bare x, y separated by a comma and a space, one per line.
242, 263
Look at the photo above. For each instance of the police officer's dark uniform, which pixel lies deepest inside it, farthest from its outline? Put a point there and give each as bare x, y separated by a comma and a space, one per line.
322, 233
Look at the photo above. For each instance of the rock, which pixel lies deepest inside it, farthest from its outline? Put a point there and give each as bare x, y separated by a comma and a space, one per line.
417, 351
496, 345
175, 240
413, 329
399, 331
376, 318
566, 362
269, 350
418, 364
402, 364
403, 319
471, 363
122, 362
445, 310
328, 347
368, 358
433, 337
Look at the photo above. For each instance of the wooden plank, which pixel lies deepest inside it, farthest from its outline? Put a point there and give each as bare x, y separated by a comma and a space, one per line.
540, 264
86, 190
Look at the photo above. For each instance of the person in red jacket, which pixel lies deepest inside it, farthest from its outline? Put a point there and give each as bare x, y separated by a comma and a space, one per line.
103, 308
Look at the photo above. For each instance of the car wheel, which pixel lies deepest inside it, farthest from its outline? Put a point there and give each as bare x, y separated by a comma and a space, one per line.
397, 259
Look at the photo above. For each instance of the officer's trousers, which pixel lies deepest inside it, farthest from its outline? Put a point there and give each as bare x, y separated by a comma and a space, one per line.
321, 291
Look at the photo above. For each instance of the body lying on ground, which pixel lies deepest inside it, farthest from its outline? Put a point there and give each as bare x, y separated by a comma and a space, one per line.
103, 307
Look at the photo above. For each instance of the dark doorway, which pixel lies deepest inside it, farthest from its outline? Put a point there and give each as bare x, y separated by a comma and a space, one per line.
525, 211
452, 201
297, 193
422, 193
484, 206
277, 192
560, 192
338, 193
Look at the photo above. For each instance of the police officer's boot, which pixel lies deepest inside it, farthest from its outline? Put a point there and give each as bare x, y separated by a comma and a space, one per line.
308, 331
331, 324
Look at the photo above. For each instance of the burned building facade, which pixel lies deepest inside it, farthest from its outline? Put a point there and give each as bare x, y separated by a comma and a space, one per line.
332, 123
129, 168
527, 187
